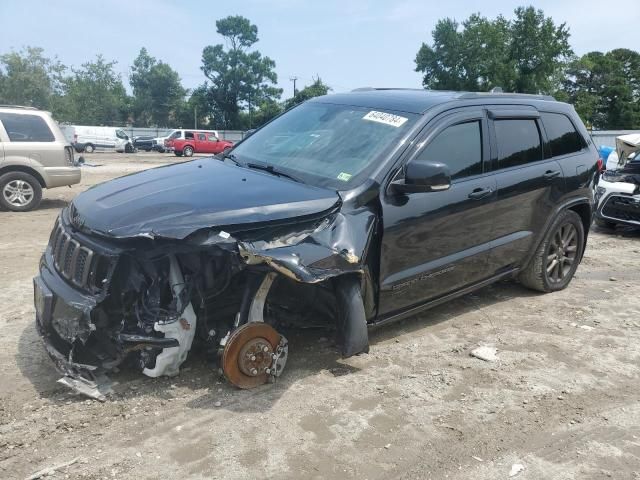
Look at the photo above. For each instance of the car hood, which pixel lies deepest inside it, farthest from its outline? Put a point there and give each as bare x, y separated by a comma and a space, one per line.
177, 200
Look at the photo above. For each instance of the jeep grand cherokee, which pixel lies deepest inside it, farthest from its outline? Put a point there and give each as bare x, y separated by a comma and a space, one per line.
349, 210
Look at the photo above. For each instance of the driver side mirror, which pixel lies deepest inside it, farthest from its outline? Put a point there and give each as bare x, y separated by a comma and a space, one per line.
423, 176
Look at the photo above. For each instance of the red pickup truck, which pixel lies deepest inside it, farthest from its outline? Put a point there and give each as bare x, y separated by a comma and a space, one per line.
196, 142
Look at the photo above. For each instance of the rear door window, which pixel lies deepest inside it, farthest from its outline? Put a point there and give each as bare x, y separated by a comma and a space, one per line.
459, 147
518, 142
563, 136
26, 128
188, 135
202, 137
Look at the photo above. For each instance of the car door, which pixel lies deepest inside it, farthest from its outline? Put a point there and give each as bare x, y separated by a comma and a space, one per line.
202, 146
529, 184
214, 143
437, 242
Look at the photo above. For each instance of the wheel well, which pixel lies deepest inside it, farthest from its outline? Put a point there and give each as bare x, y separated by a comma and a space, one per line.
23, 169
584, 210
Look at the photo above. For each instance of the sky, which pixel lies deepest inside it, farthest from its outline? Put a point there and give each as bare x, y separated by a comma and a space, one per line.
348, 43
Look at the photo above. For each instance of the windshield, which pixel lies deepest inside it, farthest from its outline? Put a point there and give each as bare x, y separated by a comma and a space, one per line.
326, 145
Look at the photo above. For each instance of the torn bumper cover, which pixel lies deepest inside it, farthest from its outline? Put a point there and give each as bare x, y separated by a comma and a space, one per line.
56, 318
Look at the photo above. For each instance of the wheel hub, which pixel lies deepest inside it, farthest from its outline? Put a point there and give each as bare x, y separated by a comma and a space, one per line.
562, 252
255, 357
18, 193
253, 354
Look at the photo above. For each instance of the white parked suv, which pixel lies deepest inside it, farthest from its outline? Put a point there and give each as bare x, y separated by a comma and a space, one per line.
34, 154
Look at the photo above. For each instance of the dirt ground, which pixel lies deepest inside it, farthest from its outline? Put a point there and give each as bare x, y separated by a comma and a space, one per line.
562, 399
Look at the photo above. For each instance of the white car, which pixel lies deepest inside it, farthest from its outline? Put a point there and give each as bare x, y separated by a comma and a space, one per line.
90, 139
619, 189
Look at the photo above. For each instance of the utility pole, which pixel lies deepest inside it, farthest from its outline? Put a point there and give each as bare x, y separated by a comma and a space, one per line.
293, 79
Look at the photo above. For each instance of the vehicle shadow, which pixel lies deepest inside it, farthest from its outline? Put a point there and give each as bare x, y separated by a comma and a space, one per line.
52, 204
311, 352
625, 231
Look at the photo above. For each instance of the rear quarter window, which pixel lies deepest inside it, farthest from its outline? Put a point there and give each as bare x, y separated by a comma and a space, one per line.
563, 136
26, 128
518, 142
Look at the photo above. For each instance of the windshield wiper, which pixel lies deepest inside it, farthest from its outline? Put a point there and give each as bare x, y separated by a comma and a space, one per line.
274, 171
232, 157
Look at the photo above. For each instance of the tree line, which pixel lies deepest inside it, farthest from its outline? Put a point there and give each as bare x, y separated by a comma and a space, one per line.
527, 54
531, 54
239, 91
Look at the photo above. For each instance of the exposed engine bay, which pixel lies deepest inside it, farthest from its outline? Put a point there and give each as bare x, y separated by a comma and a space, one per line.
146, 301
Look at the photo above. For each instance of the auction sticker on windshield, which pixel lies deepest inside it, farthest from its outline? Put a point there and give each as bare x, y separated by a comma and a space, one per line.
344, 176
386, 118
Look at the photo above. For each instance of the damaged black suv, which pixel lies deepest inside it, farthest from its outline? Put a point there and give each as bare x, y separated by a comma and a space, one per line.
349, 210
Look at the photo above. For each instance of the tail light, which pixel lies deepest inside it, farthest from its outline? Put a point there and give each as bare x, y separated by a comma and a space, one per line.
600, 165
75, 138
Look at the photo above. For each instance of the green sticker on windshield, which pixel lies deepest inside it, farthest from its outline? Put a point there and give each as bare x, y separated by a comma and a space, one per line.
344, 176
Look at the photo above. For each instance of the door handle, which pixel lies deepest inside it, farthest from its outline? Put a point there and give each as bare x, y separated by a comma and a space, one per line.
549, 174
480, 193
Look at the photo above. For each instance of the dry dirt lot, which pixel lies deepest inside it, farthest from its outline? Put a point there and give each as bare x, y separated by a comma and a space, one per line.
562, 399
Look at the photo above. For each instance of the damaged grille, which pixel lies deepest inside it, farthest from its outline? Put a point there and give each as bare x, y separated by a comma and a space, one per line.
622, 208
75, 262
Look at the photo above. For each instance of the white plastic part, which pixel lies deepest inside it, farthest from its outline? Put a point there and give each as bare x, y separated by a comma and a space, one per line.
256, 310
169, 360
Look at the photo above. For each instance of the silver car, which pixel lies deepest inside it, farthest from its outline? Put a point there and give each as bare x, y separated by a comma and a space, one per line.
34, 154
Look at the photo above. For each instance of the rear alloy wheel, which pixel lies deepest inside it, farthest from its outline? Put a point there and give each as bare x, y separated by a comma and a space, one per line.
89, 148
556, 260
19, 192
187, 151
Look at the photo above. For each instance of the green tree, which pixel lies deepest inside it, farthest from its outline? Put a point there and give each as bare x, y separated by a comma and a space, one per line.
94, 95
196, 111
240, 79
157, 91
29, 78
316, 89
605, 88
521, 55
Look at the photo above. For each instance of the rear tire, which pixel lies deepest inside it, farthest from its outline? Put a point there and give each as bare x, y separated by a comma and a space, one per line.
556, 259
187, 151
19, 192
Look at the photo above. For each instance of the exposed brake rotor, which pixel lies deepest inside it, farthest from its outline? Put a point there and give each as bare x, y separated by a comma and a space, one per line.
254, 354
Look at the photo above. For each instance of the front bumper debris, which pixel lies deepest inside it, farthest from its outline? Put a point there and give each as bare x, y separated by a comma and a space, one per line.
88, 380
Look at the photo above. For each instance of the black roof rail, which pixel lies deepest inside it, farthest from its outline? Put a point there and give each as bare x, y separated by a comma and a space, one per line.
19, 106
492, 93
369, 89
495, 92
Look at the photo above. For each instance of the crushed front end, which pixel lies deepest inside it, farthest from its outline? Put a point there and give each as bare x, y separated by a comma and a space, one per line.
143, 301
